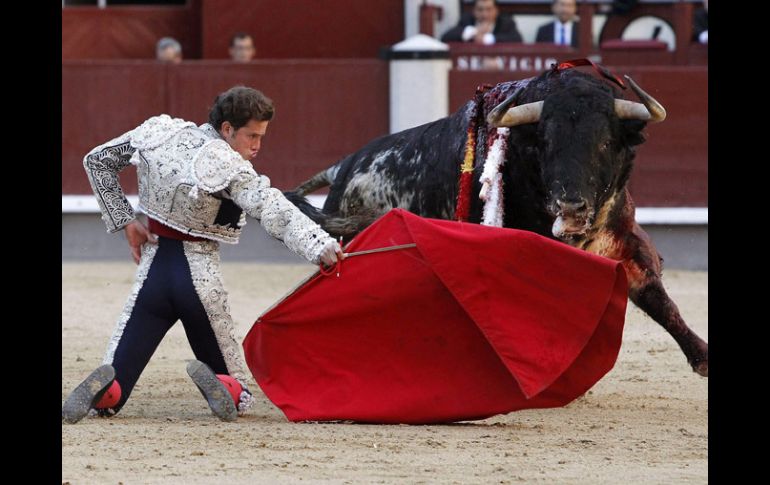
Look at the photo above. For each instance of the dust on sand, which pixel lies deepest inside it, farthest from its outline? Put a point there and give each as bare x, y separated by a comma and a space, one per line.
644, 422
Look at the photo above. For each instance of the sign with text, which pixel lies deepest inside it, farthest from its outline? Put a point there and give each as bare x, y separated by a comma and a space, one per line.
508, 57
503, 62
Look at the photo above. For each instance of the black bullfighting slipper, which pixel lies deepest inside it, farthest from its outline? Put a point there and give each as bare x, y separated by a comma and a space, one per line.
215, 392
88, 392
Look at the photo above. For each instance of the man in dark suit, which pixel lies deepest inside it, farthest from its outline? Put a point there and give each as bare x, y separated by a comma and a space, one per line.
700, 24
484, 26
564, 29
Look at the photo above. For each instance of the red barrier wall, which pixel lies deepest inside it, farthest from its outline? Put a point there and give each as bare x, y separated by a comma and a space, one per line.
100, 101
281, 29
129, 32
671, 168
324, 109
303, 28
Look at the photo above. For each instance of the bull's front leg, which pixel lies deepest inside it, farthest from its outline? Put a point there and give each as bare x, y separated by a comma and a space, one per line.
643, 268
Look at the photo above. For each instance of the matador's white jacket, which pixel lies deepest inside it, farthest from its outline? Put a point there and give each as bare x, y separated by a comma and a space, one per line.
190, 179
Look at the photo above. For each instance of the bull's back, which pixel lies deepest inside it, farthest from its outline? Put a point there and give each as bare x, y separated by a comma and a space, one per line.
415, 169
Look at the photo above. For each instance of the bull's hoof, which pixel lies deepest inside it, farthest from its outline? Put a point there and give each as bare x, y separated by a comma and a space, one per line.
699, 358
702, 368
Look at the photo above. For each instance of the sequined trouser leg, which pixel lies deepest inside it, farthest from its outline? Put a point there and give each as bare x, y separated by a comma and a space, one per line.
176, 280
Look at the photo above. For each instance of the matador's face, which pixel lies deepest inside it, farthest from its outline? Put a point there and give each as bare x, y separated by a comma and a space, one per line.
247, 139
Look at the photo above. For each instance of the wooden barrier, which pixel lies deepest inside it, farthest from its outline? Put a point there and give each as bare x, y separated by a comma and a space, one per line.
324, 109
129, 32
671, 168
280, 29
303, 28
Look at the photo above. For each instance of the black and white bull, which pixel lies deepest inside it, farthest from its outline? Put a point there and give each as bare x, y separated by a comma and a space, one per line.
568, 160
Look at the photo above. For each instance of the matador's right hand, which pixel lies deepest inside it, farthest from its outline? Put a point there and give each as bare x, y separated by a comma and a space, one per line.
138, 234
331, 253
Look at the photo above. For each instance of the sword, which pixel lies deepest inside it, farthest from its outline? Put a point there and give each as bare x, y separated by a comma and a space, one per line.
330, 271
379, 250
361, 253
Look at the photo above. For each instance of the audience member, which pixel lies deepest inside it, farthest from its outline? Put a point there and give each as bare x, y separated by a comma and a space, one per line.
169, 50
242, 47
700, 24
484, 26
564, 29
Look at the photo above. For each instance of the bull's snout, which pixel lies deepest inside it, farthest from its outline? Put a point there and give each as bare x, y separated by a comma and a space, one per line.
572, 208
572, 218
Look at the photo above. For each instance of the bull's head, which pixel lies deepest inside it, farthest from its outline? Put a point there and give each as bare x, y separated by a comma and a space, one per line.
584, 145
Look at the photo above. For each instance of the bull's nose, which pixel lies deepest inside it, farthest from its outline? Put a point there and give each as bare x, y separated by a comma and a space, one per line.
571, 206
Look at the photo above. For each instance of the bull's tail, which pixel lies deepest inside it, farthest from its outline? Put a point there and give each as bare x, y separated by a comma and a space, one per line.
345, 227
322, 179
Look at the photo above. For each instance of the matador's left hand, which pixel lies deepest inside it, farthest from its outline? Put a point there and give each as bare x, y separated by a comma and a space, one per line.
138, 234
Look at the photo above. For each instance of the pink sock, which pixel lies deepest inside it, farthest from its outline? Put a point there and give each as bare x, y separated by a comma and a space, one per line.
233, 386
110, 398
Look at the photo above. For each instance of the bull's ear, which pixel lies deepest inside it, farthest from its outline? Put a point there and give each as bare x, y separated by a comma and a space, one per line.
631, 131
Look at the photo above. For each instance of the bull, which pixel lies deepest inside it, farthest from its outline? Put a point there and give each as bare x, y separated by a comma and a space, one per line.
570, 150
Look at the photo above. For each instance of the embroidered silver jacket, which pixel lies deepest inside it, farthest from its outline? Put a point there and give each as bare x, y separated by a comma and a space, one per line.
185, 173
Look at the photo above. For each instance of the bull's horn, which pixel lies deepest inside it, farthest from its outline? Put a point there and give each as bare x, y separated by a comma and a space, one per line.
518, 115
651, 110
504, 115
631, 110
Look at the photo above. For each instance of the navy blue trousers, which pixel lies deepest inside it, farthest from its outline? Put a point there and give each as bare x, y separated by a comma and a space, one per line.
166, 296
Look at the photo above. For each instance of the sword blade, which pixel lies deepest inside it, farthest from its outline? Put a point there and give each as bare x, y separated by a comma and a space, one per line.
380, 250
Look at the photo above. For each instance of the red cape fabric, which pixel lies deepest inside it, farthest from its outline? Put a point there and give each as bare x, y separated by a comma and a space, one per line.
474, 321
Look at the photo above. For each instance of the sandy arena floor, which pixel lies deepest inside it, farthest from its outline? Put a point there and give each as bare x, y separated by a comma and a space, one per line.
645, 422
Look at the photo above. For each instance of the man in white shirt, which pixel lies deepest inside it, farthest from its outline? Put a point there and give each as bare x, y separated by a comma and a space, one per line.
564, 29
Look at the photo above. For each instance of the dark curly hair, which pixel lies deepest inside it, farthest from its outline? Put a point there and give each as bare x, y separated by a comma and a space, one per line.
239, 105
